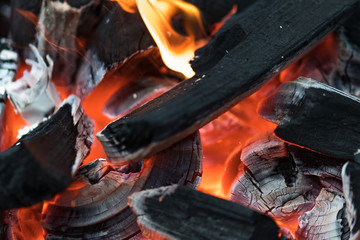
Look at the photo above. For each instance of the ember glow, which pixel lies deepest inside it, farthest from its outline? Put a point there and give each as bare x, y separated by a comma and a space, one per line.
176, 49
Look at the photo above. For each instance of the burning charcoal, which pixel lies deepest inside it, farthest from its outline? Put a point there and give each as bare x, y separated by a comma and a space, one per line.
283, 180
326, 169
95, 205
23, 21
117, 37
43, 161
135, 93
177, 212
315, 116
213, 11
57, 31
345, 76
351, 188
272, 182
327, 220
193, 103
34, 95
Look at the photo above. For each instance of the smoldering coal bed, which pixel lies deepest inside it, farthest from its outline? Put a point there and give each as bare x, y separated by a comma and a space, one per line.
264, 116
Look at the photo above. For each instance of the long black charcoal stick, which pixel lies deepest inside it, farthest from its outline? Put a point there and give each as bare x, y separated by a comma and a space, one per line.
177, 212
276, 32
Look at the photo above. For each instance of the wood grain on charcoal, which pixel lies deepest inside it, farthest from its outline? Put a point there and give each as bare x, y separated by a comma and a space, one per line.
284, 30
177, 212
315, 116
41, 163
351, 188
345, 75
326, 220
95, 205
283, 180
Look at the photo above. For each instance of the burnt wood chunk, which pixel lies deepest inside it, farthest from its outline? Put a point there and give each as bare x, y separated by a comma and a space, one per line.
283, 180
95, 205
315, 116
294, 25
345, 75
24, 15
57, 36
351, 189
326, 220
177, 212
42, 162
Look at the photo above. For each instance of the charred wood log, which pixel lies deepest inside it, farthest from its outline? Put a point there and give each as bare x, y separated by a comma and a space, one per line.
350, 177
44, 160
327, 219
22, 22
195, 102
177, 212
129, 35
57, 35
345, 76
95, 205
283, 180
315, 116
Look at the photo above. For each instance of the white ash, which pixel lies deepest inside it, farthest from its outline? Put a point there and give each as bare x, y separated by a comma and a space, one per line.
8, 64
34, 96
326, 220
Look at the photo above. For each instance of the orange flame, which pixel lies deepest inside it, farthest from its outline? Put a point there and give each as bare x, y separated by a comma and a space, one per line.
176, 49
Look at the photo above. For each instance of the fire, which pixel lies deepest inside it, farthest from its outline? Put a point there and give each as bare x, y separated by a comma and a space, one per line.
176, 49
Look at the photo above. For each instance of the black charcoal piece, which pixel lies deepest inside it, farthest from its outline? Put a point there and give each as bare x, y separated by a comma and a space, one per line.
276, 33
177, 212
282, 180
42, 162
315, 116
351, 187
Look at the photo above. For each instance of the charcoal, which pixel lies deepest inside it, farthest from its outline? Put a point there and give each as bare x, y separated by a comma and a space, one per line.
57, 36
24, 16
42, 162
96, 207
345, 74
213, 11
315, 116
283, 180
326, 220
350, 177
178, 212
5, 12
194, 102
135, 93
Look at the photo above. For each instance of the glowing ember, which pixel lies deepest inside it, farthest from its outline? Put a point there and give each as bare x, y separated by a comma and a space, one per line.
176, 49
